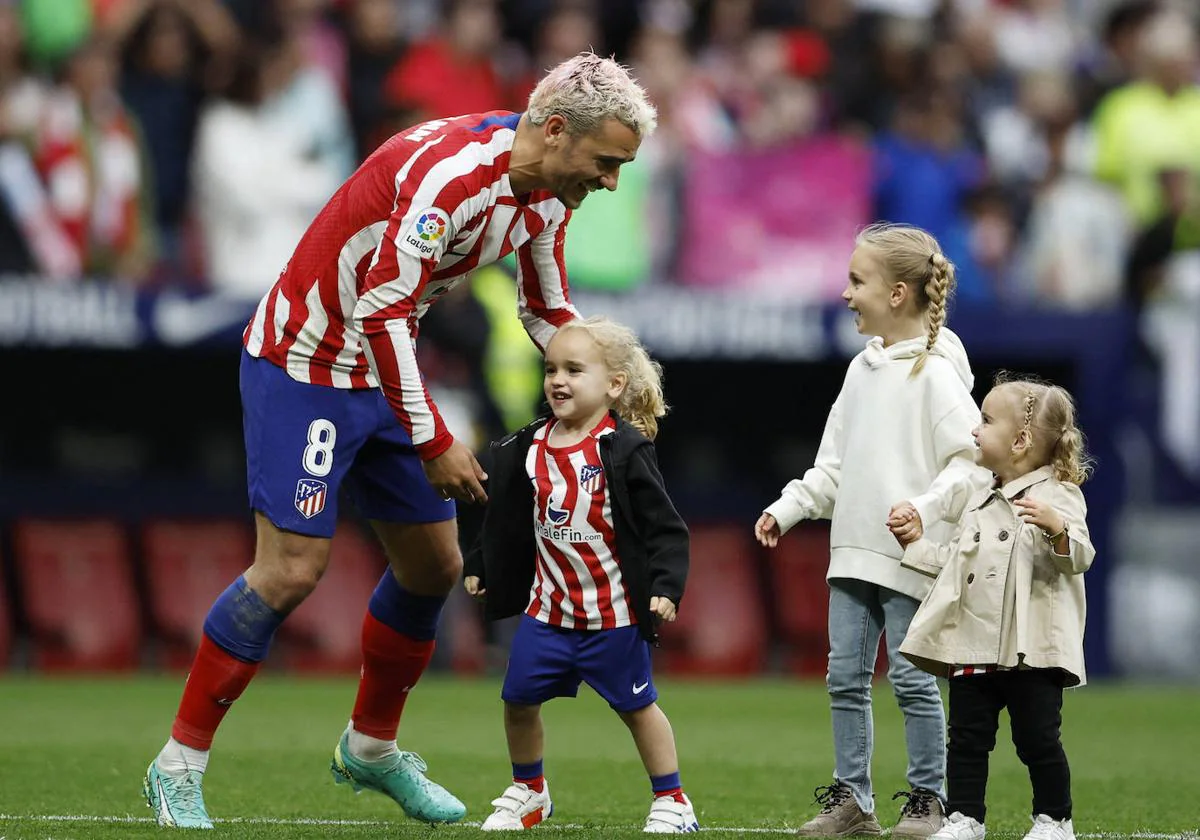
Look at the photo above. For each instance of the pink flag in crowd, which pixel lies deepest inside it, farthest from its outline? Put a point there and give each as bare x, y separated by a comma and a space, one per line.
777, 220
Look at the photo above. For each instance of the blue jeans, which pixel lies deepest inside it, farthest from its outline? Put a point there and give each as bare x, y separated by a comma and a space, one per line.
859, 613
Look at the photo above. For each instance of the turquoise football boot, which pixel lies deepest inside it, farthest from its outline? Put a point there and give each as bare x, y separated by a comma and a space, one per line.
403, 779
177, 801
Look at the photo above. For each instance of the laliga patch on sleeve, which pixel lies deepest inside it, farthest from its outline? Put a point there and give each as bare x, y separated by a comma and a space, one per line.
426, 231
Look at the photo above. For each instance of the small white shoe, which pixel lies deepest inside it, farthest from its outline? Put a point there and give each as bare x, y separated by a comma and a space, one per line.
670, 816
519, 807
1048, 828
958, 826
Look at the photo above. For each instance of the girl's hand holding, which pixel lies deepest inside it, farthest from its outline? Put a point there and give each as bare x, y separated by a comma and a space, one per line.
471, 584
901, 514
905, 523
1036, 512
662, 607
766, 529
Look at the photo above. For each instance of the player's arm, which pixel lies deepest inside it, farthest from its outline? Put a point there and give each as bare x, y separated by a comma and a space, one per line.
386, 315
543, 297
414, 241
433, 201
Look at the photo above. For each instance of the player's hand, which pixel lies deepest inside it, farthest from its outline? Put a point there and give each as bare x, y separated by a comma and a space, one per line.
662, 607
456, 473
905, 523
471, 584
1035, 512
766, 529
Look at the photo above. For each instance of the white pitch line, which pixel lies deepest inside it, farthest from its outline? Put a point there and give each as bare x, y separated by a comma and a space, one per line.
301, 821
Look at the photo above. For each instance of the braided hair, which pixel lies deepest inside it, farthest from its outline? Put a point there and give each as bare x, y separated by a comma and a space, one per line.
1047, 417
913, 256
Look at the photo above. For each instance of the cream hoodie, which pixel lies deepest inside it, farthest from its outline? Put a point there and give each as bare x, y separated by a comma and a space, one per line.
891, 439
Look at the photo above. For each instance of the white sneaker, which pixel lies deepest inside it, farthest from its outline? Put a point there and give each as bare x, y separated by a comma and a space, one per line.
1047, 828
670, 816
958, 826
519, 808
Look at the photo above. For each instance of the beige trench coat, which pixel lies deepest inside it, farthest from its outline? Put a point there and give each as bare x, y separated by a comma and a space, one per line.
1002, 595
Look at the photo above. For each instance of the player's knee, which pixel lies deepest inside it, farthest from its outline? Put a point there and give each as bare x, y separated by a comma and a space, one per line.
432, 578
284, 581
438, 574
295, 583
450, 569
426, 559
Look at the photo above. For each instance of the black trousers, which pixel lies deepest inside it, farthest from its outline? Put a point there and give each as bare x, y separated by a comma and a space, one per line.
1034, 702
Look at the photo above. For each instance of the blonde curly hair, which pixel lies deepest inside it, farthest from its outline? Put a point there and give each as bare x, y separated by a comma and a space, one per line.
641, 402
1046, 413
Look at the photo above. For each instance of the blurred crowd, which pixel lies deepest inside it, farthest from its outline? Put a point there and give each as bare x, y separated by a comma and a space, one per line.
1051, 145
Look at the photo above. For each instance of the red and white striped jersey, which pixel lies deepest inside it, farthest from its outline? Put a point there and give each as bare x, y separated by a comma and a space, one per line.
577, 582
427, 207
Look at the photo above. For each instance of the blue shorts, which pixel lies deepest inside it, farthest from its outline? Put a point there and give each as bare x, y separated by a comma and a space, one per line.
547, 662
303, 441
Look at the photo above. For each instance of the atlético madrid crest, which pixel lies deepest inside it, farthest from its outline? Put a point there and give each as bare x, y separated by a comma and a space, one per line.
591, 478
310, 496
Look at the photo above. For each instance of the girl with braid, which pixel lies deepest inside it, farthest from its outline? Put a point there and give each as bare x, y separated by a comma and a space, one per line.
898, 436
1004, 620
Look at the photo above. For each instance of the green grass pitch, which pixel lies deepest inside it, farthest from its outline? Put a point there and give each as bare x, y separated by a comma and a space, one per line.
72, 754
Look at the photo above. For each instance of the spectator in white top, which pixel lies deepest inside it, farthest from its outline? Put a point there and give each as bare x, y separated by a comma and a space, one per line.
256, 187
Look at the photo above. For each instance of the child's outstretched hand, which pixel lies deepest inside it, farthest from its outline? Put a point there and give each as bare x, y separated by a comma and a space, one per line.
471, 584
766, 529
905, 523
1034, 512
662, 607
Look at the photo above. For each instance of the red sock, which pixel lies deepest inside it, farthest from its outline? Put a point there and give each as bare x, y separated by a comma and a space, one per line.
392, 664
674, 793
537, 783
215, 681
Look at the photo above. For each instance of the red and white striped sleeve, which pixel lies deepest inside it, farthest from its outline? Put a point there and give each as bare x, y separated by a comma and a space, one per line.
433, 200
543, 298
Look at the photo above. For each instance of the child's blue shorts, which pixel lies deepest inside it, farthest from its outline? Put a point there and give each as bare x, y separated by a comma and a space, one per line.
303, 441
548, 662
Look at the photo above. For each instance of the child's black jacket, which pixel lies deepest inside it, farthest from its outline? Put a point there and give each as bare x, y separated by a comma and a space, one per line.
652, 538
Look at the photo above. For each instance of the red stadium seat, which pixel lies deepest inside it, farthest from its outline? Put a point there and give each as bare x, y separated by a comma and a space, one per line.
801, 596
77, 586
323, 634
721, 629
798, 567
188, 564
